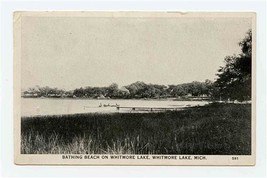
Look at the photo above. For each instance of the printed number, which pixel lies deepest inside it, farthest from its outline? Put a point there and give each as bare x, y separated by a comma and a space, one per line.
234, 158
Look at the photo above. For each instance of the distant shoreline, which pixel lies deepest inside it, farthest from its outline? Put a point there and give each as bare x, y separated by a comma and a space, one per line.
145, 99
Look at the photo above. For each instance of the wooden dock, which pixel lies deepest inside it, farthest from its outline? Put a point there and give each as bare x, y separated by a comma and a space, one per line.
148, 108
139, 108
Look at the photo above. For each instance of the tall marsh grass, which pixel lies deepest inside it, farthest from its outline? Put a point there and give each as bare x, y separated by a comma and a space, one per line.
217, 129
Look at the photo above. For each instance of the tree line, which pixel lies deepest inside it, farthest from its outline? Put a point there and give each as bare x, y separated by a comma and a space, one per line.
137, 90
233, 83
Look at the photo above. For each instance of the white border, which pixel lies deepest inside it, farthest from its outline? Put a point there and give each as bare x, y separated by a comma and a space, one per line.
56, 159
6, 154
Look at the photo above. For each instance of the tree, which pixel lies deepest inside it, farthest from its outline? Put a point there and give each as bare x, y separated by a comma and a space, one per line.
209, 87
234, 79
79, 92
113, 90
179, 90
136, 89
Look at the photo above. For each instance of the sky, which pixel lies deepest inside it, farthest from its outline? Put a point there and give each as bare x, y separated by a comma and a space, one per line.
72, 52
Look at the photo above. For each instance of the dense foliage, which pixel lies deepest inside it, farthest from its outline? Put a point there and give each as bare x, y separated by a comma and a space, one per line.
134, 90
234, 79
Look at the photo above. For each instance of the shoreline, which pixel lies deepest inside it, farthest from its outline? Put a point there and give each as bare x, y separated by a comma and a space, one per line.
143, 99
203, 127
170, 109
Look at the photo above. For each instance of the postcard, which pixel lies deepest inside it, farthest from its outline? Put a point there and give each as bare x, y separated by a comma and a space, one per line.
134, 88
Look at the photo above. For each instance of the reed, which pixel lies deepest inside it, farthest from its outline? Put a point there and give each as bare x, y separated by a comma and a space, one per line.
215, 129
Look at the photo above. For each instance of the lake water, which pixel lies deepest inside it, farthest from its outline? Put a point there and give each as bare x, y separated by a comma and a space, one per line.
47, 106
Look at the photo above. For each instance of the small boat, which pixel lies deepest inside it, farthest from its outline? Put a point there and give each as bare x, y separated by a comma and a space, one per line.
114, 105
106, 105
110, 105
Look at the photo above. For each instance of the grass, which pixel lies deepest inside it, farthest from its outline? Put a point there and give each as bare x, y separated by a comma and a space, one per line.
215, 129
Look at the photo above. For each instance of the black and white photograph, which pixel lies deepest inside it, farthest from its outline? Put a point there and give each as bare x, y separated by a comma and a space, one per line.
134, 88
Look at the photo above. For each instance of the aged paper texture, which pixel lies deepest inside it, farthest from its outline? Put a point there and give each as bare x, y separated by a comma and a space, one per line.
134, 88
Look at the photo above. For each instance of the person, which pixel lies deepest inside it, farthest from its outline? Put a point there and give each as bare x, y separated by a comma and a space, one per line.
100, 105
